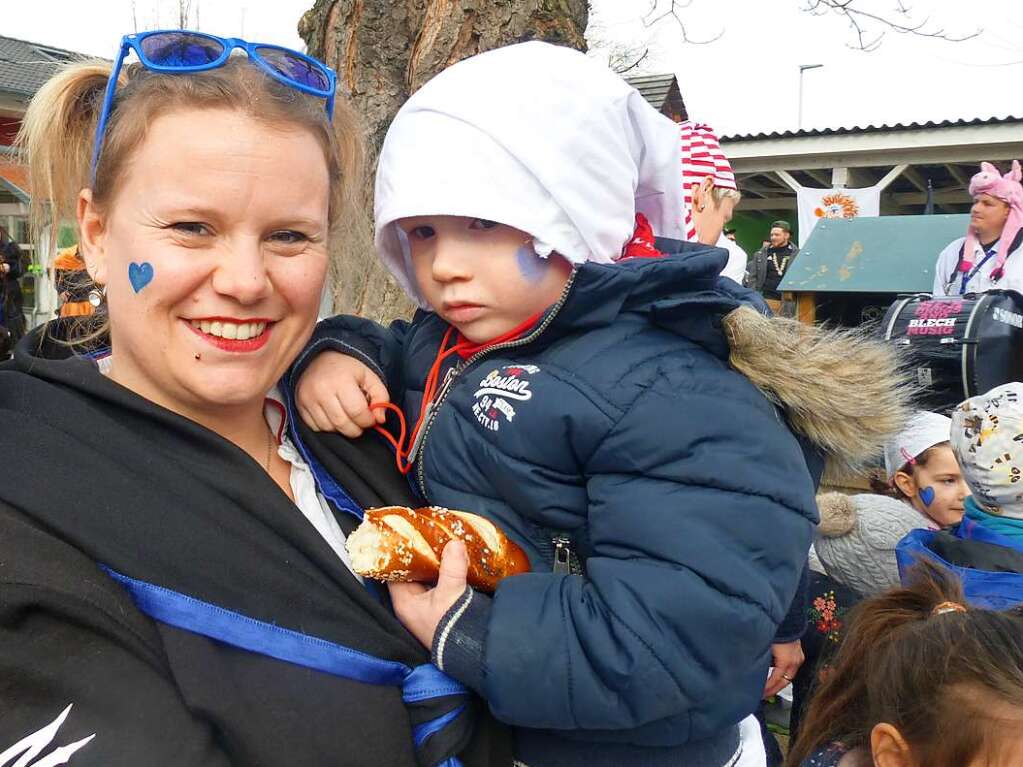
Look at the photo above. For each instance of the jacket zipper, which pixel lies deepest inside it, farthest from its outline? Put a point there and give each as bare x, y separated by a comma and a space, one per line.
454, 372
565, 560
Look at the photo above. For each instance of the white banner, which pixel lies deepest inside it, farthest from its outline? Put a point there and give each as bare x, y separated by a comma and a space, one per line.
815, 204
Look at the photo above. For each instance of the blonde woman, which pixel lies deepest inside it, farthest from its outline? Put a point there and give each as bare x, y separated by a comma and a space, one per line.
174, 588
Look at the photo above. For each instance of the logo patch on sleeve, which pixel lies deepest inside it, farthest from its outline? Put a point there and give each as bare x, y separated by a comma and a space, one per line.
492, 405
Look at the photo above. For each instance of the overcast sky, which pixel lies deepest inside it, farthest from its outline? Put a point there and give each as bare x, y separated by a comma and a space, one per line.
745, 82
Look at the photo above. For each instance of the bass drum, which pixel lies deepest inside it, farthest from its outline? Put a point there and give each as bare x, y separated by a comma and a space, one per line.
959, 346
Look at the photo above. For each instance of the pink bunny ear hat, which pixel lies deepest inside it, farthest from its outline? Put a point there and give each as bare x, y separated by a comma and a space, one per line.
1008, 189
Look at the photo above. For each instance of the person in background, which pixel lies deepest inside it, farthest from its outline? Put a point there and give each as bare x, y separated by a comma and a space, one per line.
73, 284
923, 471
921, 680
769, 264
986, 258
857, 536
986, 439
12, 267
854, 551
735, 269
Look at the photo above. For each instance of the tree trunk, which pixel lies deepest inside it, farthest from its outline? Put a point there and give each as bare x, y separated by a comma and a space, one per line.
383, 50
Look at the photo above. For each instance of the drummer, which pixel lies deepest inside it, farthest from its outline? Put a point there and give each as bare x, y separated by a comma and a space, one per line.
988, 257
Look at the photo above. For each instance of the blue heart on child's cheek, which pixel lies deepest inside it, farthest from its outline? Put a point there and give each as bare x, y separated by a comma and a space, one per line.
140, 275
927, 496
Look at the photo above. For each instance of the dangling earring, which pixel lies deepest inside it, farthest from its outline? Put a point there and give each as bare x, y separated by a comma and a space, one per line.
97, 295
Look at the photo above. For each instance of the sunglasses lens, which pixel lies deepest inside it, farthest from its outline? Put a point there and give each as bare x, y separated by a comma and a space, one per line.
296, 69
181, 49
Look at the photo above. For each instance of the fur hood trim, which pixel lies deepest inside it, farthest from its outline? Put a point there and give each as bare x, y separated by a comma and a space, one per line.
838, 514
843, 390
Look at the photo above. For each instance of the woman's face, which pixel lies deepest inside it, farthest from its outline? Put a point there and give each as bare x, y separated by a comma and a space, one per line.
213, 252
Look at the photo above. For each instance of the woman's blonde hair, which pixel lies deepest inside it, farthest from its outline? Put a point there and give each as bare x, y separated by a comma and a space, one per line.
59, 127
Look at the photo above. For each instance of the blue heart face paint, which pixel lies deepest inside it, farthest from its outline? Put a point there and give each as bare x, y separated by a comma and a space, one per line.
927, 496
140, 275
531, 266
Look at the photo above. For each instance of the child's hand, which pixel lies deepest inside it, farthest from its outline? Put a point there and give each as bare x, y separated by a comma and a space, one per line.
420, 607
335, 393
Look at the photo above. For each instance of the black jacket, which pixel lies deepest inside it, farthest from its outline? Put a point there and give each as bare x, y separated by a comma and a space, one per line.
761, 274
11, 300
98, 475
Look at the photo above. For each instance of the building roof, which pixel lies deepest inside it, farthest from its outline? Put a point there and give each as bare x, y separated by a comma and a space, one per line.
654, 88
13, 181
1008, 119
660, 91
25, 66
886, 254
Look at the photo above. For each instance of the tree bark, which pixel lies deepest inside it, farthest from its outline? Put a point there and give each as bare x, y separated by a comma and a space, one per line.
383, 50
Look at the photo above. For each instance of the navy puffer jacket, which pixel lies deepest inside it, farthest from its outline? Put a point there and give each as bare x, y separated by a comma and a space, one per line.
615, 435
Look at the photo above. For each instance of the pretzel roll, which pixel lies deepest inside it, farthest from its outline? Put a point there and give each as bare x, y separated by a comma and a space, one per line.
396, 543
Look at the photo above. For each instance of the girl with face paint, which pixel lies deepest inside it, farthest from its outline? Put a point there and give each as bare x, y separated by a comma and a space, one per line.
932, 483
858, 534
923, 471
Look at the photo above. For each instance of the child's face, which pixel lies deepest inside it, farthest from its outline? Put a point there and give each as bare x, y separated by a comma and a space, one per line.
937, 488
482, 277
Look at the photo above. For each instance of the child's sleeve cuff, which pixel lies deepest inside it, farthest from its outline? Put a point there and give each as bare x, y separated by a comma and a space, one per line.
460, 639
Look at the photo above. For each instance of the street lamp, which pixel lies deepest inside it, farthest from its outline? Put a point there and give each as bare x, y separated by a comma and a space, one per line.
803, 68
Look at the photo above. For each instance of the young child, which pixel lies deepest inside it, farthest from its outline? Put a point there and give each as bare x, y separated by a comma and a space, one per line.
924, 472
858, 534
921, 680
986, 437
594, 409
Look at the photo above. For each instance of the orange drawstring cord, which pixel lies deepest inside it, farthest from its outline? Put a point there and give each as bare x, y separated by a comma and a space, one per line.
401, 449
400, 454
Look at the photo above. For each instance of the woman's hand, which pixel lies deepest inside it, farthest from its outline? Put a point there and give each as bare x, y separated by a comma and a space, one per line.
787, 658
335, 394
419, 607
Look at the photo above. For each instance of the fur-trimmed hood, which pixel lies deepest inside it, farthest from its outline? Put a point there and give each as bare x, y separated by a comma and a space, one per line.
841, 389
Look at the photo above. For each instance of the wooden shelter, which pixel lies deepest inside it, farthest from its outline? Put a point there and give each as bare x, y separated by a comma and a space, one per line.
850, 271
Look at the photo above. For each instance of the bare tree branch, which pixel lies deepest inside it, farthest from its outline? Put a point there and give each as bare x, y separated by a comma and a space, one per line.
674, 11
864, 23
621, 56
622, 69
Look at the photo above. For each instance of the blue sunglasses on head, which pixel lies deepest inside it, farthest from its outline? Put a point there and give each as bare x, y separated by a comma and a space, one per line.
182, 51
